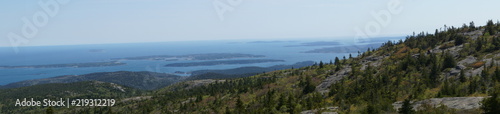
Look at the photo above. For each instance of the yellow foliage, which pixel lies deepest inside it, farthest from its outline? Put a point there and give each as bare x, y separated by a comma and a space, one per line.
477, 64
447, 45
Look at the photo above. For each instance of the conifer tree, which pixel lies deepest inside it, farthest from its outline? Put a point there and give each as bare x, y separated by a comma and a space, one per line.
406, 108
337, 61
491, 105
49, 110
462, 76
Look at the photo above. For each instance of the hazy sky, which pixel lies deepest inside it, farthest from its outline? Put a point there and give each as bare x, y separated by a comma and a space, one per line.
123, 21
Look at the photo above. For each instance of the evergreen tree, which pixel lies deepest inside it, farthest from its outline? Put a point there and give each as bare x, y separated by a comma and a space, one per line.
472, 26
337, 61
240, 108
491, 105
406, 108
228, 111
433, 76
49, 110
459, 40
449, 61
490, 28
497, 74
320, 64
370, 109
309, 87
462, 76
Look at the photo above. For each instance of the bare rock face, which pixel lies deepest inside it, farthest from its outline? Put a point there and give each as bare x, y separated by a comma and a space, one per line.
323, 87
461, 103
468, 60
474, 34
460, 67
327, 110
373, 61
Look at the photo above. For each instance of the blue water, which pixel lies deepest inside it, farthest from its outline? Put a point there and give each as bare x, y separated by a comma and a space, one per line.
42, 55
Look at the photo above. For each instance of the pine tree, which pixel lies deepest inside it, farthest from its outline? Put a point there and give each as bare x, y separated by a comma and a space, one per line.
491, 105
433, 76
497, 74
490, 28
462, 76
449, 61
472, 26
370, 109
240, 108
309, 87
320, 64
337, 61
49, 110
228, 111
406, 108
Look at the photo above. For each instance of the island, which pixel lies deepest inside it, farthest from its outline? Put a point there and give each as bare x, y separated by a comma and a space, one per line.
222, 62
206, 56
344, 49
275, 41
76, 65
318, 43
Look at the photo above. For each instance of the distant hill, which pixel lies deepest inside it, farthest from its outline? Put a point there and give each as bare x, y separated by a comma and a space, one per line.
78, 90
140, 80
242, 71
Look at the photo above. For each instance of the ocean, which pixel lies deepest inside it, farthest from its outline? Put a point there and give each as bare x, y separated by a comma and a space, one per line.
290, 51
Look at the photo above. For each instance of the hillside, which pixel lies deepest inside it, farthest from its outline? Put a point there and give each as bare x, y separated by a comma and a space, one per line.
139, 80
454, 65
86, 89
242, 71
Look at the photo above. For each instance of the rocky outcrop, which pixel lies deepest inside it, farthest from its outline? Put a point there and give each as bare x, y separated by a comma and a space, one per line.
325, 84
373, 61
461, 103
315, 111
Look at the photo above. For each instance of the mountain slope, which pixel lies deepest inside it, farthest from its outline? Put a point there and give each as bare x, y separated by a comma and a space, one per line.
80, 90
139, 80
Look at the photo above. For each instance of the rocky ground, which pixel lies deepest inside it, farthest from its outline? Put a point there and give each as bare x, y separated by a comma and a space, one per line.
462, 103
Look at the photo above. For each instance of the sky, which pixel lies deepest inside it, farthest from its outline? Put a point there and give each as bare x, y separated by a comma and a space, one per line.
74, 22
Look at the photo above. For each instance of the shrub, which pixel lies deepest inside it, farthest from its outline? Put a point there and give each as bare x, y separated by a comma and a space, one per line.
477, 64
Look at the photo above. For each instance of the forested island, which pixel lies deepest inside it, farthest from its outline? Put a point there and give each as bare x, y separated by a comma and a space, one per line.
76, 65
345, 49
222, 62
206, 56
318, 43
